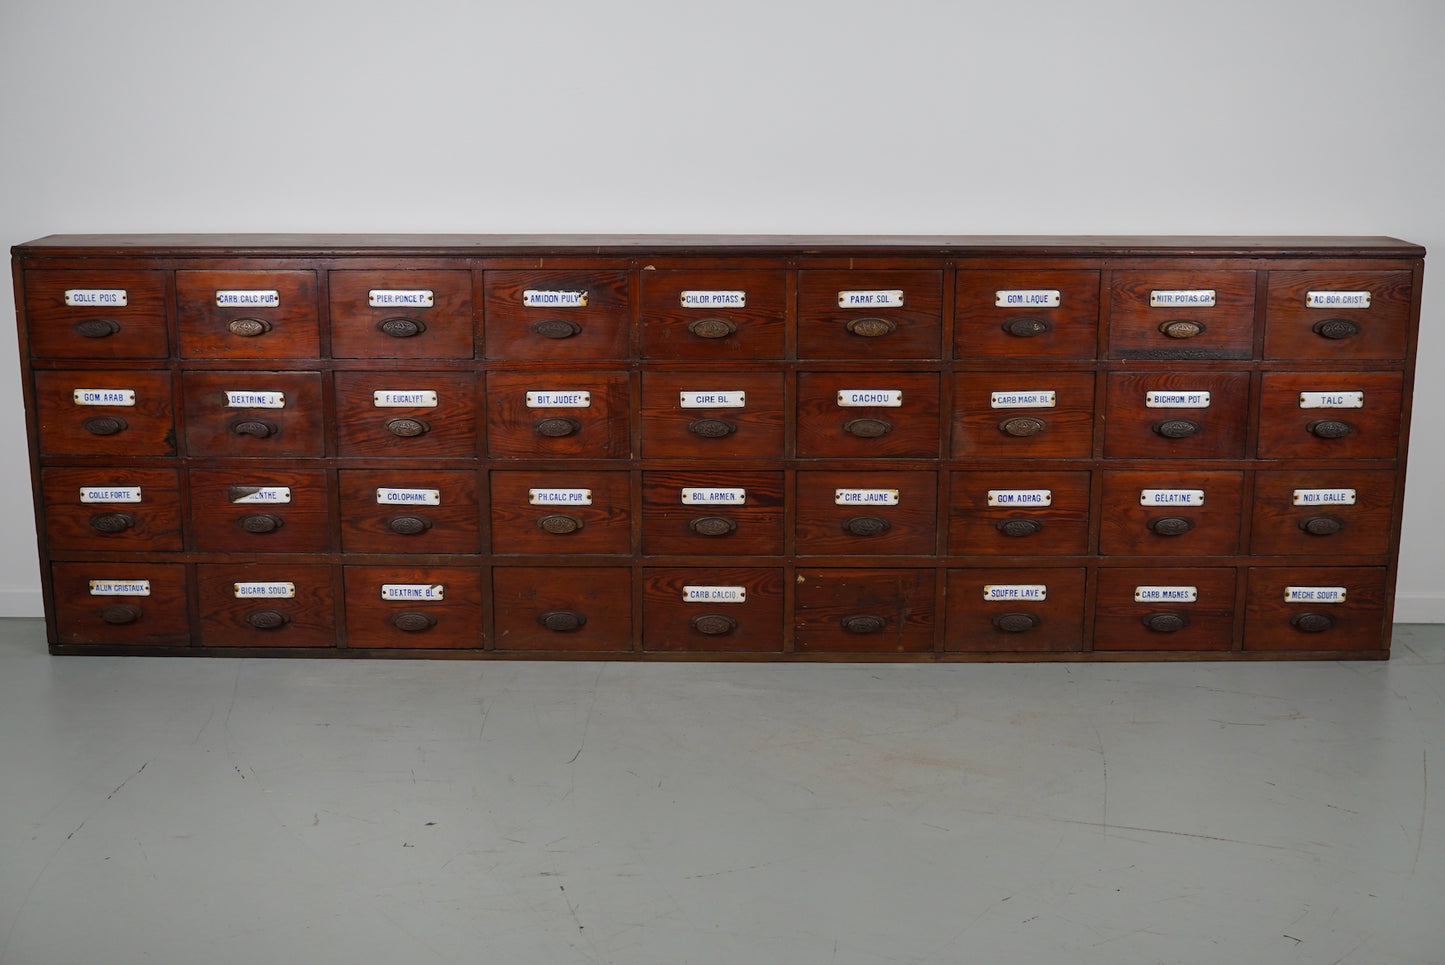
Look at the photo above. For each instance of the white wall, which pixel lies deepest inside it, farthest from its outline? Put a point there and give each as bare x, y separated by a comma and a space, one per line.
789, 116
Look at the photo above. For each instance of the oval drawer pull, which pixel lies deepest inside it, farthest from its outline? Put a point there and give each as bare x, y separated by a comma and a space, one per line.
866, 525
1330, 428
112, 522
1166, 622
1027, 327
105, 425
1181, 328
555, 328
1176, 428
1335, 328
712, 327
864, 623
712, 428
121, 614
559, 525
713, 624
268, 619
399, 327
413, 621
1170, 525
256, 428
868, 428
712, 526
248, 327
97, 327
871, 327
261, 523
1016, 622
1019, 527
1312, 622
1022, 426
558, 427
562, 621
1322, 525
409, 525
407, 428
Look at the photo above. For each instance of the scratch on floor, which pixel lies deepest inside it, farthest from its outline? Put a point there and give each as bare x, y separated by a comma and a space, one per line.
1424, 808
587, 724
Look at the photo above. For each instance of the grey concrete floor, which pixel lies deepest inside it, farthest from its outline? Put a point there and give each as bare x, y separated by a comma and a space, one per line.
251, 811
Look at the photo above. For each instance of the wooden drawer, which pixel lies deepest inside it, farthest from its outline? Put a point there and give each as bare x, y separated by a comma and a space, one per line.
1323, 512
263, 415
857, 415
1018, 513
1288, 608
1177, 415
1026, 314
266, 605
1319, 315
1164, 609
105, 413
863, 610
861, 314
1293, 426
410, 511
711, 513
112, 509
713, 609
561, 512
867, 513
110, 314
1166, 315
569, 610
722, 314
566, 414
410, 314
697, 415
248, 314
1171, 513
414, 607
260, 510
1014, 610
120, 603
1032, 415
406, 413
557, 314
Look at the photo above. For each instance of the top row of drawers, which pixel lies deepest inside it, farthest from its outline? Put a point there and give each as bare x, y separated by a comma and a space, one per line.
717, 314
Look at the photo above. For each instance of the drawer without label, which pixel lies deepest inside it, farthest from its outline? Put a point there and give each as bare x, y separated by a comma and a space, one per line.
562, 609
712, 513
105, 413
572, 414
1338, 315
1330, 415
567, 314
1323, 512
712, 609
867, 414
1165, 609
1026, 314
1182, 315
1171, 513
120, 603
1018, 513
248, 314
561, 512
111, 314
414, 607
112, 509
861, 314
1039, 414
1315, 608
260, 510
1014, 610
1177, 415
723, 314
268, 605
410, 511
254, 414
406, 413
402, 314
863, 610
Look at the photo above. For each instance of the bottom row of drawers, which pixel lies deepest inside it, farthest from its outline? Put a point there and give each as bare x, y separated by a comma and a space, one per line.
714, 610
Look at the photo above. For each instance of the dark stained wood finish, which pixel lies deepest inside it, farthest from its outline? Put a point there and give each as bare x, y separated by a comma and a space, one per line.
985, 330
824, 425
1016, 527
885, 611
230, 620
1373, 431
361, 330
370, 526
144, 429
1227, 326
152, 525
1380, 331
157, 619
1055, 623
212, 331
521, 526
829, 330
827, 527
452, 623
667, 331
445, 430
601, 430
754, 431
1216, 431
226, 521
1321, 527
1062, 431
1123, 623
598, 330
1273, 624
543, 609
1129, 528
215, 428
721, 528
671, 623
136, 330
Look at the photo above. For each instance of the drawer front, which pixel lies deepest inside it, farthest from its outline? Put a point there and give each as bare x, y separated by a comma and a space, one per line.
572, 610
414, 607
713, 609
1026, 314
406, 413
248, 314
870, 314
1177, 415
96, 314
128, 604
863, 611
1293, 426
282, 605
561, 512
1167, 315
262, 415
1291, 608
721, 314
867, 513
1013, 610
1164, 609
712, 513
696, 415
1018, 513
1169, 513
260, 511
1323, 512
105, 413
557, 314
583, 415
838, 415
112, 509
411, 314
410, 511
1321, 315
1033, 415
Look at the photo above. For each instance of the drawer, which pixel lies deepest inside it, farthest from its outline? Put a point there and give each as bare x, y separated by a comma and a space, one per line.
719, 314
1182, 315
132, 604
1316, 608
1014, 610
1171, 513
867, 414
406, 413
1026, 314
414, 607
573, 610
1018, 513
1323, 512
96, 314
248, 314
105, 413
260, 511
1177, 415
1321, 314
410, 511
1164, 609
713, 609
712, 415
712, 513
867, 513
558, 414
561, 512
404, 314
266, 605
1330, 415
544, 315
870, 314
863, 611
112, 509
1032, 415
263, 415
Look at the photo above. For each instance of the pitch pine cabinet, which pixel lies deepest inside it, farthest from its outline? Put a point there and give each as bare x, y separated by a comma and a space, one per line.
763, 448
